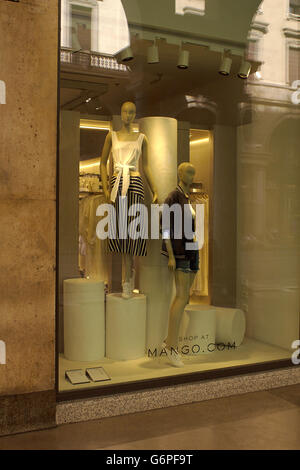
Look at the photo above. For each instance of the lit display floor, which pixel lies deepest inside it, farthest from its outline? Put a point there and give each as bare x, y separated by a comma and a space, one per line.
250, 352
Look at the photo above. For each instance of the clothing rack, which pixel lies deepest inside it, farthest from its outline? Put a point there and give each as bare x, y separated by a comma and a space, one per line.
90, 174
94, 193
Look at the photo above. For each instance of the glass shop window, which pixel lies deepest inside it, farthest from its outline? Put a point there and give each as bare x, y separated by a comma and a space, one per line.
176, 107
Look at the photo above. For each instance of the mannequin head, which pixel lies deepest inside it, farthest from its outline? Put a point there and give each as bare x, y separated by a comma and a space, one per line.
128, 112
186, 173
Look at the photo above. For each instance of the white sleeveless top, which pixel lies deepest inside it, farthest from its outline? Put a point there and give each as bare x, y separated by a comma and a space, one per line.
125, 156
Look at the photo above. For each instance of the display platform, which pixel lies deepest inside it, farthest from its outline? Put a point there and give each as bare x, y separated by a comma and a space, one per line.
250, 352
125, 327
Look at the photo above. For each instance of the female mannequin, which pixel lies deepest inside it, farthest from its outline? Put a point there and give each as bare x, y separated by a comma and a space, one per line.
127, 146
184, 263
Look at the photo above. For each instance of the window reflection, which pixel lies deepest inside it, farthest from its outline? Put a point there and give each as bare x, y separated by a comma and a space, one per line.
94, 25
195, 7
81, 27
295, 7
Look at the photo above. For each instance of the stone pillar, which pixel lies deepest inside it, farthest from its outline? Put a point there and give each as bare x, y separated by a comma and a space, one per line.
28, 123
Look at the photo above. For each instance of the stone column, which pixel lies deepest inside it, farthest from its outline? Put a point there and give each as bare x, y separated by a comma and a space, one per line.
28, 136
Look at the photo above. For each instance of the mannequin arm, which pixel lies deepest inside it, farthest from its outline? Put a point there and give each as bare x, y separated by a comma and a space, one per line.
172, 261
103, 164
147, 170
166, 231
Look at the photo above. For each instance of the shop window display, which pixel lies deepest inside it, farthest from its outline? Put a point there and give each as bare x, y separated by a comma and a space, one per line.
189, 129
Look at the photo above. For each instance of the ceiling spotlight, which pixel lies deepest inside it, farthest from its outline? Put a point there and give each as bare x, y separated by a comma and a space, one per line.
153, 56
183, 59
126, 54
244, 70
225, 65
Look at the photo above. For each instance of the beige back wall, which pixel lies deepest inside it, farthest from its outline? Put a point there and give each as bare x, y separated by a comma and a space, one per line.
200, 157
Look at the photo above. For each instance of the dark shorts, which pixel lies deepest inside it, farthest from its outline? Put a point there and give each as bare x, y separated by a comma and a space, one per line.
190, 264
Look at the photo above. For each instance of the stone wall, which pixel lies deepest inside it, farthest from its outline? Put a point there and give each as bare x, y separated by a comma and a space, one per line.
28, 136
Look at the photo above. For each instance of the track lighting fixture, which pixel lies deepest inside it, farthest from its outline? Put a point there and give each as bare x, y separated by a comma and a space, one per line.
225, 65
183, 59
244, 70
126, 55
153, 55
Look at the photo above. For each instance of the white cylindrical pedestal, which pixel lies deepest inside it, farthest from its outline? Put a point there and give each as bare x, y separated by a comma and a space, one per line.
231, 325
125, 327
197, 330
155, 280
84, 320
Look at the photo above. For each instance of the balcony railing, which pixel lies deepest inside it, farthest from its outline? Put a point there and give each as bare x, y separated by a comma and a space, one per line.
90, 60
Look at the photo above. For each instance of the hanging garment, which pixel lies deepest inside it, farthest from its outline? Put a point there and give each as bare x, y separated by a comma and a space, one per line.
82, 254
95, 262
200, 284
127, 189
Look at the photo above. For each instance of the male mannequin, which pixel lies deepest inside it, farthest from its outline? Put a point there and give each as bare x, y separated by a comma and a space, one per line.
183, 262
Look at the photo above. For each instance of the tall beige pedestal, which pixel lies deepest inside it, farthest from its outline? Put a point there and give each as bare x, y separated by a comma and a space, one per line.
231, 325
155, 280
125, 327
197, 330
84, 320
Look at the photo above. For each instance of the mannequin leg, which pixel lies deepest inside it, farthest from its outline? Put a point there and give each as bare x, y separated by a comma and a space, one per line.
182, 281
127, 266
